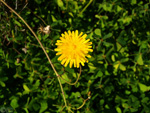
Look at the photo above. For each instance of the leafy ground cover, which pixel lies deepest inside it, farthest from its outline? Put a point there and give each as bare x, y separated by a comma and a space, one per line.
117, 77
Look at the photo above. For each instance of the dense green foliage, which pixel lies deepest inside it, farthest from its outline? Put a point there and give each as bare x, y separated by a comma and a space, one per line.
117, 75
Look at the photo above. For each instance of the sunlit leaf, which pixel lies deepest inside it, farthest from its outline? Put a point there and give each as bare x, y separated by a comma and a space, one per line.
27, 90
143, 87
98, 32
60, 3
44, 106
122, 67
118, 110
140, 60
14, 103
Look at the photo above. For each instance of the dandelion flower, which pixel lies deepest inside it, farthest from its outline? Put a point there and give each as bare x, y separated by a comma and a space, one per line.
73, 48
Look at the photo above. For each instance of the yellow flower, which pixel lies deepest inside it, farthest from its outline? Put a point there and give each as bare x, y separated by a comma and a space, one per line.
73, 48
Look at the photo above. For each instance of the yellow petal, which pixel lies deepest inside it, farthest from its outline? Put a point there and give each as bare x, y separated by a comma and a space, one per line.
62, 57
69, 32
82, 63
71, 63
57, 49
84, 36
59, 53
63, 61
80, 34
67, 62
76, 33
89, 56
86, 40
74, 62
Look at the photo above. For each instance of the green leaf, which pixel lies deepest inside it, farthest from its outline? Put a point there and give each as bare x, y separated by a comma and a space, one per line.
145, 100
97, 16
119, 8
44, 106
107, 36
14, 103
113, 58
99, 74
125, 105
124, 60
38, 1
116, 66
118, 46
133, 2
3, 78
65, 77
92, 68
98, 32
2, 84
36, 106
118, 110
60, 3
53, 18
143, 87
107, 44
75, 95
26, 110
107, 7
122, 67
140, 60
45, 36
102, 101
107, 106
27, 90
18, 23
127, 92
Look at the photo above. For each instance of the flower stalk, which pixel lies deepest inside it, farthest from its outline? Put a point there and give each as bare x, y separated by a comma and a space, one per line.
41, 47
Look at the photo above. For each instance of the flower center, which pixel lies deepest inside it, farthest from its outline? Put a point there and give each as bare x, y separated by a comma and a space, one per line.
74, 46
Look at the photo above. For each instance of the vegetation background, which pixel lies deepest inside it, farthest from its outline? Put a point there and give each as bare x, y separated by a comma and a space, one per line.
117, 77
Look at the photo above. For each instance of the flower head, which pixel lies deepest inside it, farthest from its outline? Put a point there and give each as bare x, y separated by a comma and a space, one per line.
73, 48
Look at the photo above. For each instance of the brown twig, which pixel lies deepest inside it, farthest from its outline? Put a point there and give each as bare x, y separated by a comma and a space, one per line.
41, 47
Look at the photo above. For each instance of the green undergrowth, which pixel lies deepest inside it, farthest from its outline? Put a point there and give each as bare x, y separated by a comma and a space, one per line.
115, 80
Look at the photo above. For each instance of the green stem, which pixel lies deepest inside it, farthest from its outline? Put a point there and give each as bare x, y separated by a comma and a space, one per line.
81, 105
41, 47
86, 7
75, 81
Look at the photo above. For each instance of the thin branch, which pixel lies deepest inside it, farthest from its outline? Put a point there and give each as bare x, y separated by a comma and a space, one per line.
84, 101
75, 81
85, 7
41, 47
